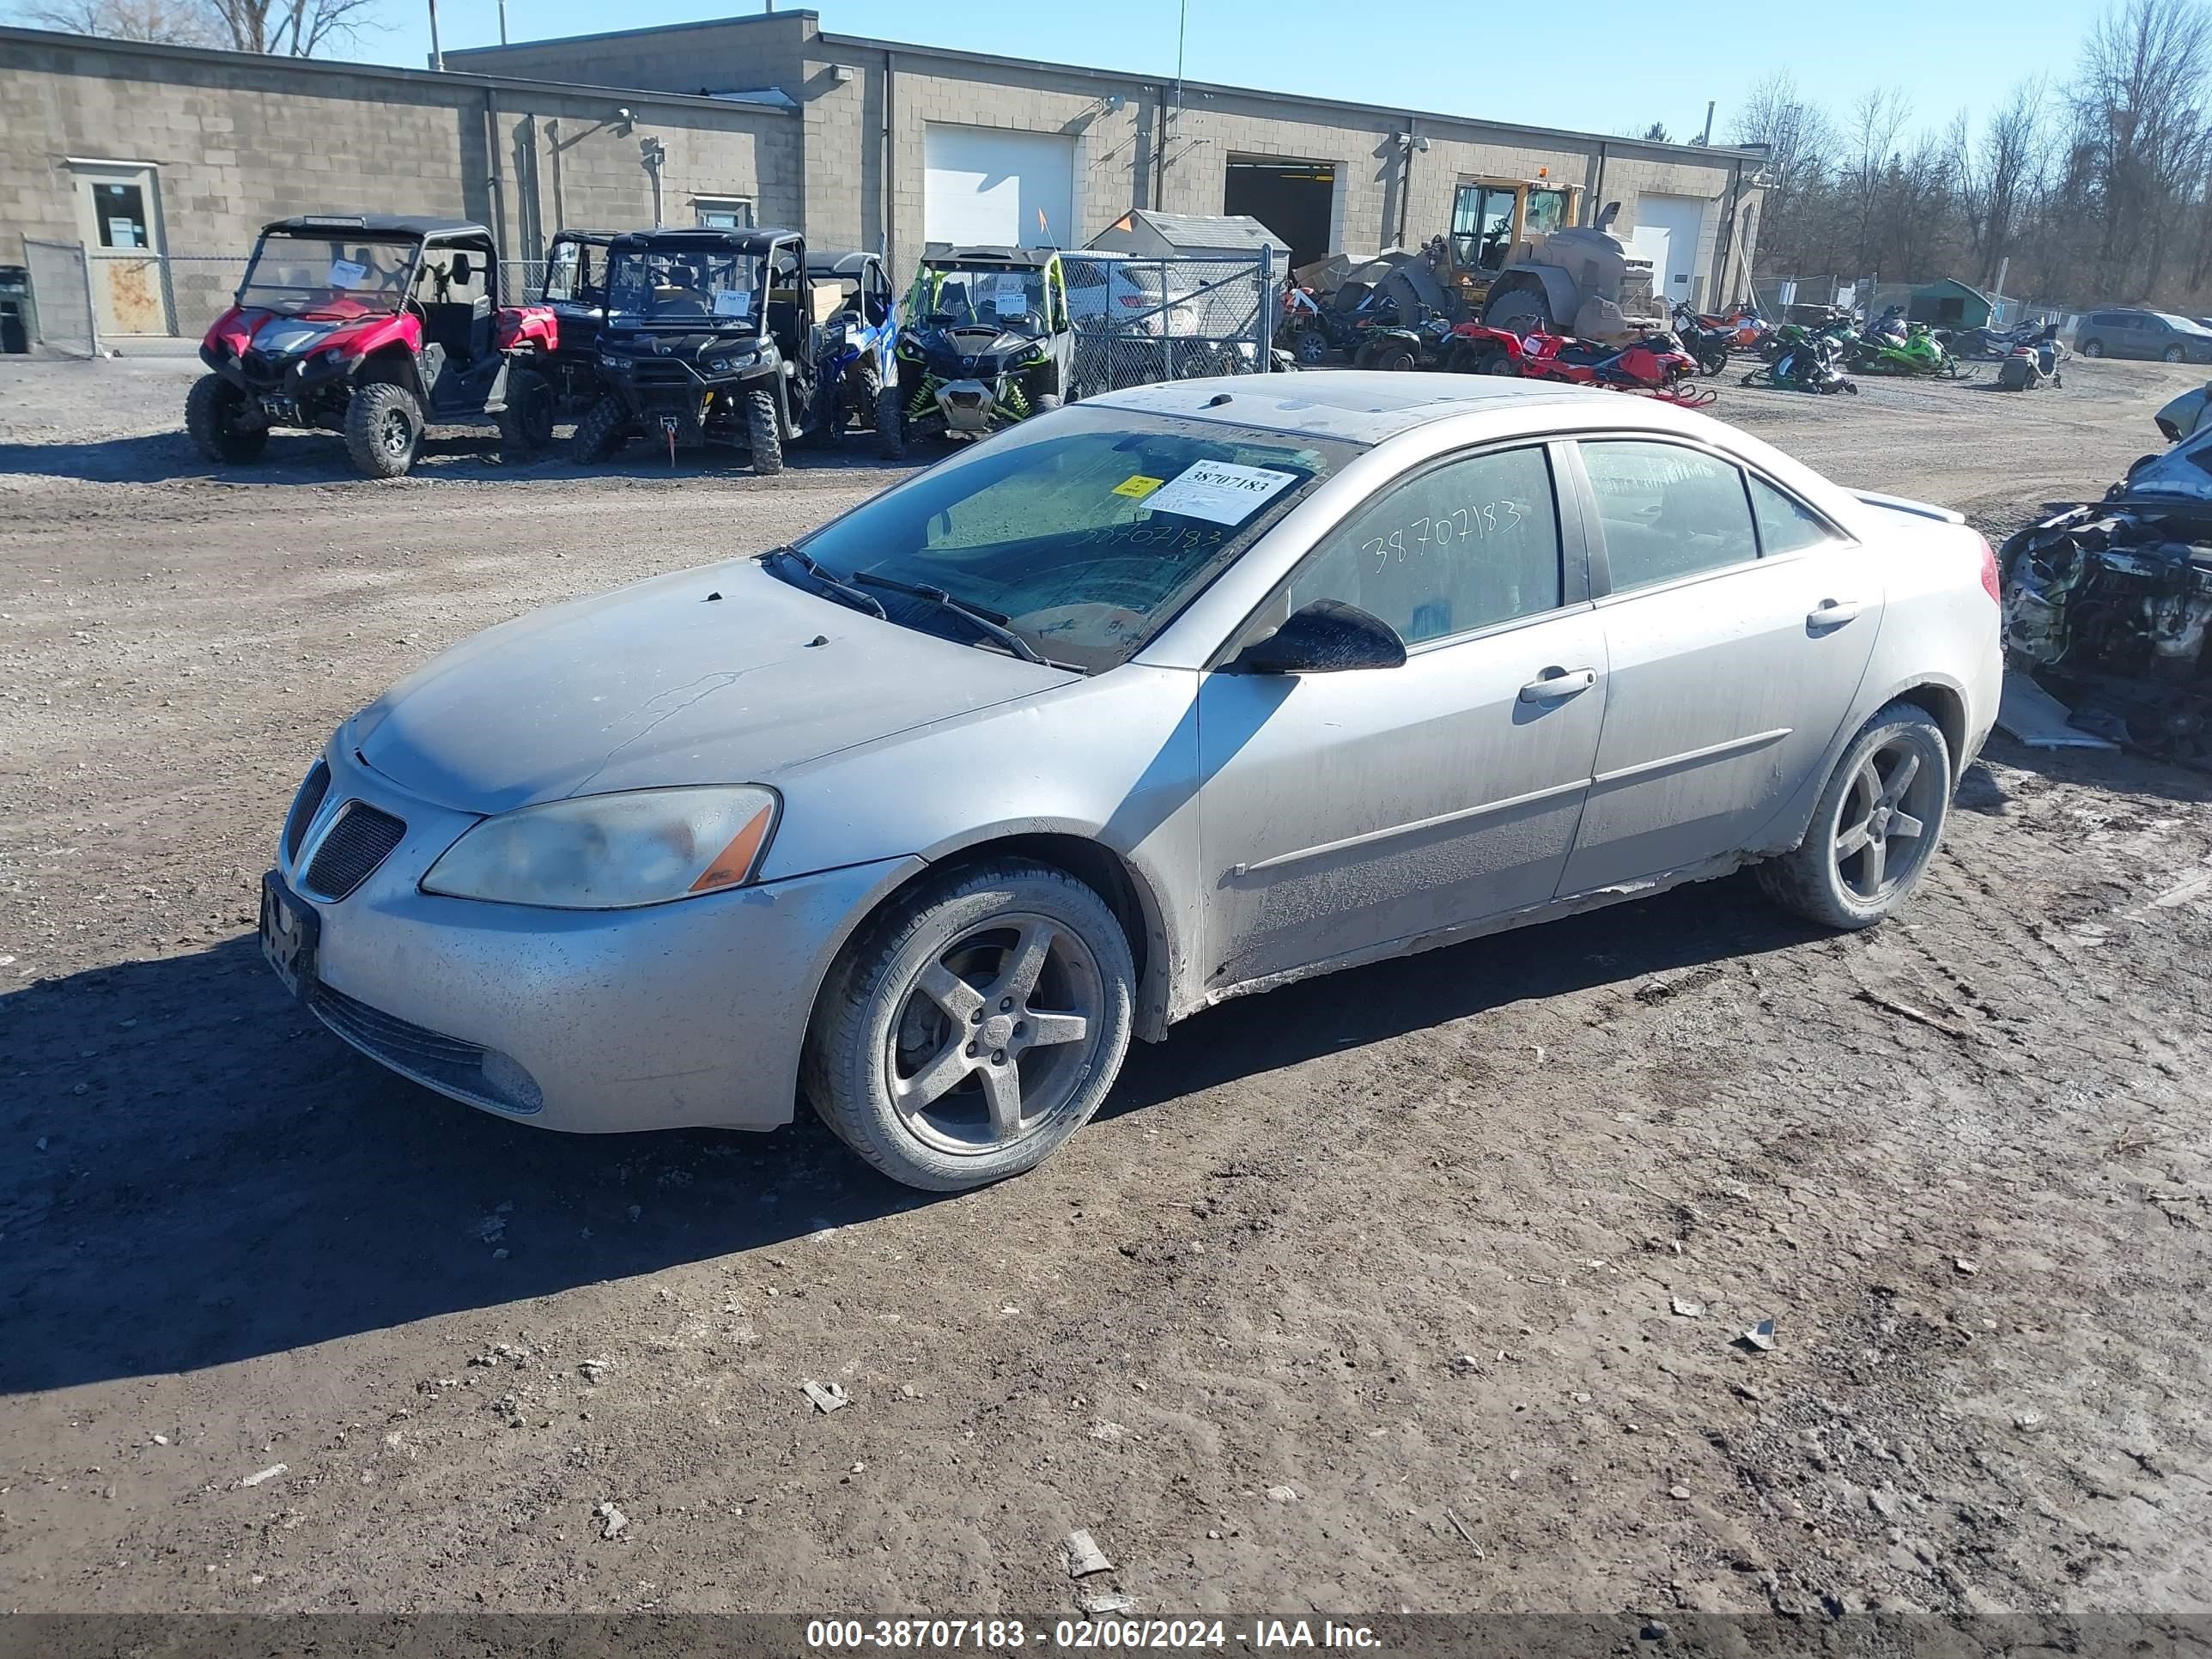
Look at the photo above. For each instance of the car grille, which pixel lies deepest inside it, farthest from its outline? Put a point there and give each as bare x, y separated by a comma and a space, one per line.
483, 1077
351, 848
304, 805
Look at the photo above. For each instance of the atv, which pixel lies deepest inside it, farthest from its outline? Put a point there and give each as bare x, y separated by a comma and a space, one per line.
988, 341
713, 337
372, 325
574, 290
868, 317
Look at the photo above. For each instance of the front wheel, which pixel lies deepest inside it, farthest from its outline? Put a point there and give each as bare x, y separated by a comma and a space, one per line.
763, 434
1311, 348
970, 1032
890, 423
383, 429
526, 425
2173, 354
1876, 827
220, 424
602, 432
2092, 347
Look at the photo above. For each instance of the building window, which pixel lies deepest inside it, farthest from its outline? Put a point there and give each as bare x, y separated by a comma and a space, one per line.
723, 212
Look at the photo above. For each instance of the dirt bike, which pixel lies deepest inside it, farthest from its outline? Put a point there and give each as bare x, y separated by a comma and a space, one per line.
1708, 341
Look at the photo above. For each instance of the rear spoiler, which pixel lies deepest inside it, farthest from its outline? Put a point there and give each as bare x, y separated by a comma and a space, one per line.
1918, 509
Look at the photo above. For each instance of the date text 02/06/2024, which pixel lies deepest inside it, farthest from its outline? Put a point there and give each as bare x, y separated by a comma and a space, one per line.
993, 1635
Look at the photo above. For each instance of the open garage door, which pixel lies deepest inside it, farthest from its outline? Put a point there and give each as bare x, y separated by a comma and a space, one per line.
986, 185
1294, 199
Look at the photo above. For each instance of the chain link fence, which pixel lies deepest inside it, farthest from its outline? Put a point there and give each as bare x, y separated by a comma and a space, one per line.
1142, 320
61, 291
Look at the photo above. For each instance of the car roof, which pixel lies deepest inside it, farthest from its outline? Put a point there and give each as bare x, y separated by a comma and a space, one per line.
573, 234
1365, 406
840, 261
759, 239
379, 224
1019, 259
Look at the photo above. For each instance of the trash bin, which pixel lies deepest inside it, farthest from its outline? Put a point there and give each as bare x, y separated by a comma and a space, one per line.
15, 320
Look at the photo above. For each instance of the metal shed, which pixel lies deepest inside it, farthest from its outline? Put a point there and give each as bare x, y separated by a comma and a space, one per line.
1154, 235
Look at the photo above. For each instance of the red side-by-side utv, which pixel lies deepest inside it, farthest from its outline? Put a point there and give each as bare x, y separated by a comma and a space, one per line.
373, 325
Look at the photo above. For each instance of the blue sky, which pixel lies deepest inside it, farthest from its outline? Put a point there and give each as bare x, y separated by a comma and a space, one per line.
1643, 63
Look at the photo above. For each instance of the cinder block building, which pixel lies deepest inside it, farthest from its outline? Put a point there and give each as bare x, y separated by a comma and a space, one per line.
860, 142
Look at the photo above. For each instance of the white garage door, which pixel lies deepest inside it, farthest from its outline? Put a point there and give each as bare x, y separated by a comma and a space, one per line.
988, 184
1667, 228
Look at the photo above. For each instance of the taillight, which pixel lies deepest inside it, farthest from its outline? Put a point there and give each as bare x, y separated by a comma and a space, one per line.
1992, 584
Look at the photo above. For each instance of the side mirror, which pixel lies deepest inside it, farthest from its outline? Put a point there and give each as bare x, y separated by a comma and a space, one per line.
1325, 637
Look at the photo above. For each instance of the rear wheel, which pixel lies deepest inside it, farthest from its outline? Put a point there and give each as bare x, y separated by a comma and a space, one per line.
1876, 827
763, 434
526, 425
890, 423
1524, 311
383, 429
867, 391
1311, 347
220, 423
601, 434
970, 1032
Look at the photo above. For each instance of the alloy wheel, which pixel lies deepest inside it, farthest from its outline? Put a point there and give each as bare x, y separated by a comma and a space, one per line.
996, 1035
1881, 839
394, 435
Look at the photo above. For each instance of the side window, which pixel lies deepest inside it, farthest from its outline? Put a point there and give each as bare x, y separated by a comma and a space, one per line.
1667, 512
1466, 544
1785, 524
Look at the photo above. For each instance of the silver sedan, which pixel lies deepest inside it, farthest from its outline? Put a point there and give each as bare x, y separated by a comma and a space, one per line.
1182, 693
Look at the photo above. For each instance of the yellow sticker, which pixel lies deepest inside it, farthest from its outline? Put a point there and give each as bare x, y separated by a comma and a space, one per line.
1137, 486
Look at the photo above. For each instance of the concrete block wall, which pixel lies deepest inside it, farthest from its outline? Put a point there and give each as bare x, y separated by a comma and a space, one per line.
239, 140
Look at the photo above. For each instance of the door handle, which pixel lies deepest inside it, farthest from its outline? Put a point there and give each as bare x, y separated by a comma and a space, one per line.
1832, 613
1557, 684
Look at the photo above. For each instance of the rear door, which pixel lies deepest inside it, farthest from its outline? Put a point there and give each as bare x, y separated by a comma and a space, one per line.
1342, 811
1738, 624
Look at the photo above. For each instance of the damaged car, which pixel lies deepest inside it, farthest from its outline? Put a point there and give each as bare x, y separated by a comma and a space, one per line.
2106, 604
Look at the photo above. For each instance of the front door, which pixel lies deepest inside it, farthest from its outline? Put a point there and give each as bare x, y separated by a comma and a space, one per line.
1342, 811
120, 219
1738, 627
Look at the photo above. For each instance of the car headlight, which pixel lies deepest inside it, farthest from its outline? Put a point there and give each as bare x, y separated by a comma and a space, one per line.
719, 364
611, 851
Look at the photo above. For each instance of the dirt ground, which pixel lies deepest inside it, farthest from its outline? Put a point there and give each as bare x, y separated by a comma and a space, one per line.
1417, 1287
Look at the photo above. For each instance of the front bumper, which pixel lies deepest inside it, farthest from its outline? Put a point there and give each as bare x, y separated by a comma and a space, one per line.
687, 1014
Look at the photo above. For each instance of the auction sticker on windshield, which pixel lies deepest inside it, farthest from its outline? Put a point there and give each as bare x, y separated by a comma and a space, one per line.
734, 302
346, 273
1220, 490
1137, 486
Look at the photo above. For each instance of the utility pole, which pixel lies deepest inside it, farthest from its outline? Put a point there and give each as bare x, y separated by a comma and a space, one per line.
437, 57
1706, 137
502, 23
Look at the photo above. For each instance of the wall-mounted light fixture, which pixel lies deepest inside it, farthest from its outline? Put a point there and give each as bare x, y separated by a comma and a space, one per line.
841, 73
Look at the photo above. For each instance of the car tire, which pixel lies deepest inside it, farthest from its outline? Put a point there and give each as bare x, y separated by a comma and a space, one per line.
890, 423
764, 435
867, 394
888, 1025
526, 425
383, 429
213, 412
1046, 403
2092, 347
1845, 872
2173, 355
601, 434
1311, 348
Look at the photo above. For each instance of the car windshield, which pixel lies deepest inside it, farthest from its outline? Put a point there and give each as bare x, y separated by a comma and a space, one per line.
956, 298
327, 274
2179, 324
576, 272
1088, 531
709, 288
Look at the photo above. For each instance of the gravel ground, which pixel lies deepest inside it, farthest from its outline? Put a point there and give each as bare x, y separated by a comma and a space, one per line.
1414, 1287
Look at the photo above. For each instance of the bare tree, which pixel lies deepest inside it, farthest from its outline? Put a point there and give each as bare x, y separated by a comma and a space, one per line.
169, 22
2140, 139
2001, 176
291, 28
1877, 120
1798, 141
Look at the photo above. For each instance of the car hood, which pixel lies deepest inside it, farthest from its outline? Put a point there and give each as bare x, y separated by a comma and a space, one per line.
2184, 473
657, 683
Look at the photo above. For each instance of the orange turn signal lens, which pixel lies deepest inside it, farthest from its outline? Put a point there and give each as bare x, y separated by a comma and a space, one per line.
735, 863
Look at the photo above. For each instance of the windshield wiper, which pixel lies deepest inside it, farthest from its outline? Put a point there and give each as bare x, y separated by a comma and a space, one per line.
991, 622
843, 592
